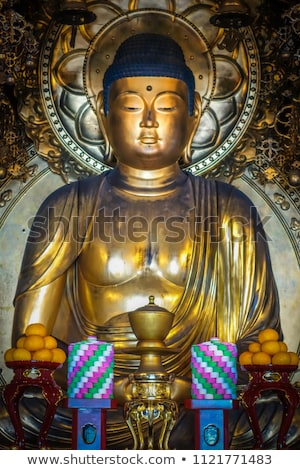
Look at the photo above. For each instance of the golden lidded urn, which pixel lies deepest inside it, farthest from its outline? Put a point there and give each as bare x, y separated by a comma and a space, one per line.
151, 325
151, 383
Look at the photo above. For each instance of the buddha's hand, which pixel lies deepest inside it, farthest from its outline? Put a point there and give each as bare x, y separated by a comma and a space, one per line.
180, 389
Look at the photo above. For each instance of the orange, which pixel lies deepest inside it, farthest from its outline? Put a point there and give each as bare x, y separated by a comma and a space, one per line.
283, 346
9, 355
269, 334
245, 358
42, 355
254, 347
33, 342
21, 354
20, 342
270, 347
36, 329
50, 342
294, 358
282, 357
261, 358
58, 355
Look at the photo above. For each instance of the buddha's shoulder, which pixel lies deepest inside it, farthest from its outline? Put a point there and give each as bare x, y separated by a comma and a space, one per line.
226, 194
85, 188
226, 190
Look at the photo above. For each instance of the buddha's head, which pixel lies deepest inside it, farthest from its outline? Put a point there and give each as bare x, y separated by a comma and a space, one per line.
148, 110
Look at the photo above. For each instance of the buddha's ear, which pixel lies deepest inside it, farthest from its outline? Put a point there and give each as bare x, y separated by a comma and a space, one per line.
197, 112
194, 120
102, 120
100, 112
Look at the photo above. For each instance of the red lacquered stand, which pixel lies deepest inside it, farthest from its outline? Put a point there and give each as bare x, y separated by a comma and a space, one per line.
270, 378
211, 422
32, 374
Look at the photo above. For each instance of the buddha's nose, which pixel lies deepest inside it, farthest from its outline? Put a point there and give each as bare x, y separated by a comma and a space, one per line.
149, 119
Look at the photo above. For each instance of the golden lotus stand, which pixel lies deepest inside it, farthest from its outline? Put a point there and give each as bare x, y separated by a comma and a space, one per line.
151, 385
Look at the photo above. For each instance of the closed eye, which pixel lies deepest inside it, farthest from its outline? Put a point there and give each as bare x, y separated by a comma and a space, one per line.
166, 108
130, 108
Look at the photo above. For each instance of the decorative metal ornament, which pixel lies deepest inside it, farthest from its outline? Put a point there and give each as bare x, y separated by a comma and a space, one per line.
74, 13
19, 47
211, 434
89, 433
232, 14
18, 61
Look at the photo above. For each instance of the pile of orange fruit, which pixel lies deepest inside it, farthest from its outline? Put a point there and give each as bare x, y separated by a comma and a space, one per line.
268, 350
36, 345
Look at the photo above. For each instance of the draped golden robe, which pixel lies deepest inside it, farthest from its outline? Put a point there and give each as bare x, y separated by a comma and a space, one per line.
229, 292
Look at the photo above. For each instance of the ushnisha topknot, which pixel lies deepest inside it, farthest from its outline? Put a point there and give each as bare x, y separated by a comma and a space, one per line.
152, 55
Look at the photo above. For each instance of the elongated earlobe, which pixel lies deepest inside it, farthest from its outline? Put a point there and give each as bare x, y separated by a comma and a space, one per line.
102, 124
194, 123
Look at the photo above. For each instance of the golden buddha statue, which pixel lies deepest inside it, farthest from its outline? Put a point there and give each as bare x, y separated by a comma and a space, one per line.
99, 247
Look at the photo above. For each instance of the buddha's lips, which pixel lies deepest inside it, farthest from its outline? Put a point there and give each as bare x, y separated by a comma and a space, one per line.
148, 139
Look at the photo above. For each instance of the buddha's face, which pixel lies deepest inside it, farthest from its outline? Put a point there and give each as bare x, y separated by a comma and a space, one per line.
148, 122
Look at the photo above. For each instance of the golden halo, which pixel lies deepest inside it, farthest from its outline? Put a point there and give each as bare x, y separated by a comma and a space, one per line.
195, 46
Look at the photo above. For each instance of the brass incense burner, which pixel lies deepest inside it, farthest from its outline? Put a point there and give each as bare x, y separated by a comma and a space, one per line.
151, 383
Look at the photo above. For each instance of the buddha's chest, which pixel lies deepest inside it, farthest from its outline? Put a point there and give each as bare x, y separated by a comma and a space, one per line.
130, 238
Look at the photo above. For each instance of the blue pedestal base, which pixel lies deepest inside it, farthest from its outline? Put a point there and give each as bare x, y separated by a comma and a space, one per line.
89, 422
211, 422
